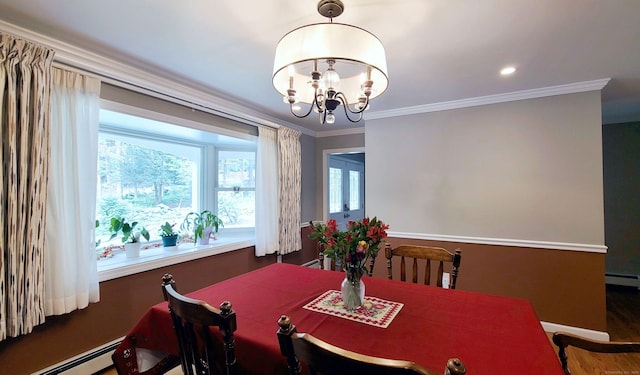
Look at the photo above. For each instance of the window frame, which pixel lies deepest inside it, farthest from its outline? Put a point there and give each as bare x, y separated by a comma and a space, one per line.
217, 187
231, 239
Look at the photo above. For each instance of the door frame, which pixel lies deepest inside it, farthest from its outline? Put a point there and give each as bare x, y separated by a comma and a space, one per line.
325, 174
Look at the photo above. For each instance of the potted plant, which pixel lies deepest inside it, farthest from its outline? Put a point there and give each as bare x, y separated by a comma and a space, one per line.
169, 236
130, 235
203, 225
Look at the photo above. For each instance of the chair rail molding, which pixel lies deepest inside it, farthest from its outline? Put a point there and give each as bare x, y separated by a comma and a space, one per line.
504, 242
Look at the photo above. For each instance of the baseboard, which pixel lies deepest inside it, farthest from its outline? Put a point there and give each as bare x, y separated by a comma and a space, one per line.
314, 263
89, 362
588, 333
622, 279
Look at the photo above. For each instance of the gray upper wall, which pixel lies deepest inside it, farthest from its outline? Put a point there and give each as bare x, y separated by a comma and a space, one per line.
308, 185
136, 99
621, 198
526, 170
325, 146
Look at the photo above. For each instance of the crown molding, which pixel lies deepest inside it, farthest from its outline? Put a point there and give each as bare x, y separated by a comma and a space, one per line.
571, 88
339, 132
118, 73
620, 119
124, 75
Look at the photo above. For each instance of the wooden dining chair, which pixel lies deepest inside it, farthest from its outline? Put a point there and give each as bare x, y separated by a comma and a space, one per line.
326, 359
192, 320
428, 254
336, 265
564, 340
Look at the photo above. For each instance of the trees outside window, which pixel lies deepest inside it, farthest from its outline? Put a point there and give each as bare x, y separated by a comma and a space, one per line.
144, 184
236, 190
150, 174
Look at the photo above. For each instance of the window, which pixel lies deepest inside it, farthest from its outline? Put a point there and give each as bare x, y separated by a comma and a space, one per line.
354, 191
335, 190
145, 180
236, 190
152, 172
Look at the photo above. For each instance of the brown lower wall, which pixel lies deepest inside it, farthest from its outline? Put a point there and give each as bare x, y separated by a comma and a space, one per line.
122, 302
309, 249
565, 287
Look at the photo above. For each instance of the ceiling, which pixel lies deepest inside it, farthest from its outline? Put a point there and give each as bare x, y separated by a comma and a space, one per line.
438, 51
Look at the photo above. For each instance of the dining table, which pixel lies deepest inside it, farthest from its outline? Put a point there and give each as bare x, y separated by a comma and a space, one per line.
428, 325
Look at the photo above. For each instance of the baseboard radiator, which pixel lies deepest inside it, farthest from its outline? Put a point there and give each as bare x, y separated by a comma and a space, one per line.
313, 264
89, 362
623, 280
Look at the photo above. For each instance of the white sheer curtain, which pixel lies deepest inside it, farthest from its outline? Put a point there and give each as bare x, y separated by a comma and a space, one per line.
267, 192
71, 276
289, 169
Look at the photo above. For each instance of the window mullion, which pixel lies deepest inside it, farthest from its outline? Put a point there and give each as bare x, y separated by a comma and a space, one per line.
210, 179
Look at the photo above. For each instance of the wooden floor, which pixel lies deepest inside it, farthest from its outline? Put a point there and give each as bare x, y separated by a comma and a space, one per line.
623, 324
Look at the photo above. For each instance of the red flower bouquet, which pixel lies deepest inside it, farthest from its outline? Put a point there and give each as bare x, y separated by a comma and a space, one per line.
352, 247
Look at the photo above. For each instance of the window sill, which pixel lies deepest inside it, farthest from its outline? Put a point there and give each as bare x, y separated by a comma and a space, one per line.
119, 265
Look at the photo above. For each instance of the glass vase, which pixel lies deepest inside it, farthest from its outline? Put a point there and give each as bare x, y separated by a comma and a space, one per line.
352, 293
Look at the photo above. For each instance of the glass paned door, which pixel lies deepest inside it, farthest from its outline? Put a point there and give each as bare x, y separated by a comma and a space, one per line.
335, 190
346, 191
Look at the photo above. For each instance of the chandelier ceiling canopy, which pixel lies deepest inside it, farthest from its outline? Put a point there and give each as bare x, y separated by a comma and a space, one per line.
330, 64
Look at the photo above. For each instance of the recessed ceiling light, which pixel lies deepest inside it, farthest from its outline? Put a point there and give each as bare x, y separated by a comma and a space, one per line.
508, 70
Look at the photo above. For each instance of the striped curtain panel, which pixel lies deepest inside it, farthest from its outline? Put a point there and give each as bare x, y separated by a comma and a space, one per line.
289, 171
25, 81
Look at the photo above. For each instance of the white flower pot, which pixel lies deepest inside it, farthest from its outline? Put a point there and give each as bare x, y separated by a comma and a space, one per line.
132, 249
204, 240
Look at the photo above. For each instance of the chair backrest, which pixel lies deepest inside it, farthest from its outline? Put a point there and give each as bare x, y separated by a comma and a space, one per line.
336, 265
427, 253
192, 320
564, 340
322, 357
333, 265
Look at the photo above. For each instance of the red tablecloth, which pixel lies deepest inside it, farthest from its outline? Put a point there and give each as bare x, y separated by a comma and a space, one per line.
491, 334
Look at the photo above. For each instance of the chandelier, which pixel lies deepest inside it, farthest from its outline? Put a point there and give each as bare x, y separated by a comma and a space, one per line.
330, 64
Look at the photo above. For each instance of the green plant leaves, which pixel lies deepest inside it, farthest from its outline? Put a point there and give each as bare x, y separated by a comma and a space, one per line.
129, 234
199, 221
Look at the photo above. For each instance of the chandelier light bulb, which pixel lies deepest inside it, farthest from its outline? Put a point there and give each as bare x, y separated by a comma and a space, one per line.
331, 118
331, 78
363, 78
